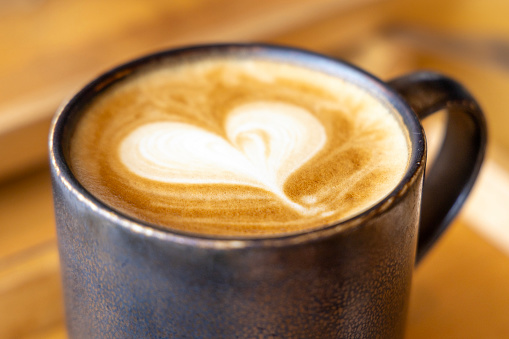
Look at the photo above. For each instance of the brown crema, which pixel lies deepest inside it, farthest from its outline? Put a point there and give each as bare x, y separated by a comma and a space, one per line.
226, 146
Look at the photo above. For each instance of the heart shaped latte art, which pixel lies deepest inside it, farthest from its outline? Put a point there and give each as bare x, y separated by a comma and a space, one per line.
265, 142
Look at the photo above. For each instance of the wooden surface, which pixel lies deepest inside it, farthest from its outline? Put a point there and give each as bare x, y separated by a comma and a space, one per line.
459, 291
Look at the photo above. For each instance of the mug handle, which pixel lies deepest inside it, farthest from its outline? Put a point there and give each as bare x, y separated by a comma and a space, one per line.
457, 165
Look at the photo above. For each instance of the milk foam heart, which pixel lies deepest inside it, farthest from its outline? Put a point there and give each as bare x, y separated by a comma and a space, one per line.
264, 143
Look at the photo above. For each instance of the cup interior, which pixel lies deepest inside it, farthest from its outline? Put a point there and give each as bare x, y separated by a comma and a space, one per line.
69, 115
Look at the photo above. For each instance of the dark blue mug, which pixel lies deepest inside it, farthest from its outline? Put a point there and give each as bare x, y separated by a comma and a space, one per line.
124, 278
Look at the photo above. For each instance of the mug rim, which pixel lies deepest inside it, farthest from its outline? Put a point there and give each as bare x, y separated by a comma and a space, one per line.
301, 57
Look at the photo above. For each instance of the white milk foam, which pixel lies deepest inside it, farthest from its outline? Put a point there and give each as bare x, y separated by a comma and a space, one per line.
266, 142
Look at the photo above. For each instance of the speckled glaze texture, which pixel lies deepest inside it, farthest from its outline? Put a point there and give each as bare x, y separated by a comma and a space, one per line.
123, 284
124, 278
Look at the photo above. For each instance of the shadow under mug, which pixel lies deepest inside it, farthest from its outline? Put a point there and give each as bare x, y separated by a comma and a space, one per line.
124, 278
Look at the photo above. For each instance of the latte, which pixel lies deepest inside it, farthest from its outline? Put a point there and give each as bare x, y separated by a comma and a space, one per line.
236, 146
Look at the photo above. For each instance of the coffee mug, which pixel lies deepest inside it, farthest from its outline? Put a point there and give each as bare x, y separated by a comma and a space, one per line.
129, 277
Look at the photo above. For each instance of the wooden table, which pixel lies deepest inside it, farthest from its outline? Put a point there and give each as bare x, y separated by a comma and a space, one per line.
461, 288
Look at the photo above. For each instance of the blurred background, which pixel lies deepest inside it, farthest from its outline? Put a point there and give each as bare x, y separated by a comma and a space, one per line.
50, 48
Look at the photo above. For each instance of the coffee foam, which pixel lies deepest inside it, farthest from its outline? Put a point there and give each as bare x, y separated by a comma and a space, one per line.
238, 147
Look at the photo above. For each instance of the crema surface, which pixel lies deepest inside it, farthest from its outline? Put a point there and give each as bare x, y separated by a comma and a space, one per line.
238, 147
